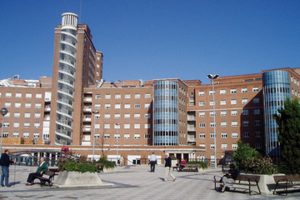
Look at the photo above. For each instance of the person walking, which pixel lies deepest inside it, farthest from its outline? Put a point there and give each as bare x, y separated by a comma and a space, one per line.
5, 162
153, 161
42, 168
168, 166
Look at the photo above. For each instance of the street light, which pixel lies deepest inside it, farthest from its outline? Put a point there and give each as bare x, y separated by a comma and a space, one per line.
212, 77
4, 111
94, 138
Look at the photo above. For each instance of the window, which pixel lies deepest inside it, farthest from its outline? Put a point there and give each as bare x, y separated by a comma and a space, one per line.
117, 96
201, 103
201, 114
137, 116
245, 123
137, 96
224, 135
127, 116
246, 134
223, 146
27, 105
234, 135
223, 102
257, 134
26, 125
234, 124
147, 126
256, 123
28, 95
38, 105
117, 136
15, 134
17, 105
117, 116
147, 96
245, 112
255, 89
244, 101
98, 96
27, 115
26, 135
126, 126
36, 125
127, 96
127, 106
233, 101
222, 91
137, 136
212, 124
18, 95
106, 126
97, 106
202, 135
234, 113
16, 125
117, 106
212, 114
223, 124
137, 126
202, 125
117, 126
234, 146
211, 92
256, 112
107, 106
212, 135
107, 96
137, 106
147, 116
16, 115
233, 91
211, 103
37, 115
256, 100
38, 96
8, 95
244, 90
212, 146
223, 113
107, 116
106, 135
147, 105
201, 93
7, 104
126, 136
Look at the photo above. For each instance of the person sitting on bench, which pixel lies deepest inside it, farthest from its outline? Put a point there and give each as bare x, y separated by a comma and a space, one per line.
42, 168
232, 174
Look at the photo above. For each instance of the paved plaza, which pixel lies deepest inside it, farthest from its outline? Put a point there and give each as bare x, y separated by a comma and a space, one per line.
132, 182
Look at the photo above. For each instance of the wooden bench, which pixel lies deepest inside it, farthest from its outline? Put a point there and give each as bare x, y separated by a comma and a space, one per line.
187, 168
47, 177
241, 180
286, 181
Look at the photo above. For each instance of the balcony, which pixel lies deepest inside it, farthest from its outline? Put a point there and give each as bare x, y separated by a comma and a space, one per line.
86, 143
86, 129
87, 119
191, 118
87, 99
47, 108
87, 109
191, 128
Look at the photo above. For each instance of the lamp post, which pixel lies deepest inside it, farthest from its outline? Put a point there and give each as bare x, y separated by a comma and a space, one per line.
94, 138
4, 111
212, 77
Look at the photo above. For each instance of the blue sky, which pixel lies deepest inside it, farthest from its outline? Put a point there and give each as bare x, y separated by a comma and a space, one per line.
151, 39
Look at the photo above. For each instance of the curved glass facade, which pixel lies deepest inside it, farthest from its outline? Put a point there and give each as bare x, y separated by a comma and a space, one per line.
165, 115
276, 89
66, 79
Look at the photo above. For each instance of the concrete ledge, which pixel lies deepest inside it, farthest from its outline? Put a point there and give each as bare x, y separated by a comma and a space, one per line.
77, 179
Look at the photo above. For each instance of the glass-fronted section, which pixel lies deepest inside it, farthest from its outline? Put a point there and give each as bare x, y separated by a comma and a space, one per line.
165, 113
276, 89
66, 79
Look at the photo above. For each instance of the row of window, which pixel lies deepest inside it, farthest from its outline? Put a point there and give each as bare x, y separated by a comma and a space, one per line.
232, 102
125, 126
119, 96
25, 135
26, 115
118, 116
126, 106
20, 95
231, 91
26, 125
233, 124
19, 105
223, 113
118, 136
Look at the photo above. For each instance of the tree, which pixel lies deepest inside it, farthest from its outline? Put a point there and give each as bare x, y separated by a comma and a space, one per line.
244, 156
288, 121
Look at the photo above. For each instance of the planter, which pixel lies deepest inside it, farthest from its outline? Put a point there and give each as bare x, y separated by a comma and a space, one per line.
77, 179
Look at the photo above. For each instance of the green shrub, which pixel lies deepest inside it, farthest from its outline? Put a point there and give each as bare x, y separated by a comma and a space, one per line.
71, 165
104, 163
201, 164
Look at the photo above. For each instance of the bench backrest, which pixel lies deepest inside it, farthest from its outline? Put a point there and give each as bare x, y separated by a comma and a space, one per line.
251, 178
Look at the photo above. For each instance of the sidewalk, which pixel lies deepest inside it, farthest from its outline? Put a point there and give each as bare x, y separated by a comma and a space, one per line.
134, 182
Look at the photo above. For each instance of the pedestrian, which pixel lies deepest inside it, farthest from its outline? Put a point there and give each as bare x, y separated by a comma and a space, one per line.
5, 162
153, 161
42, 168
168, 166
